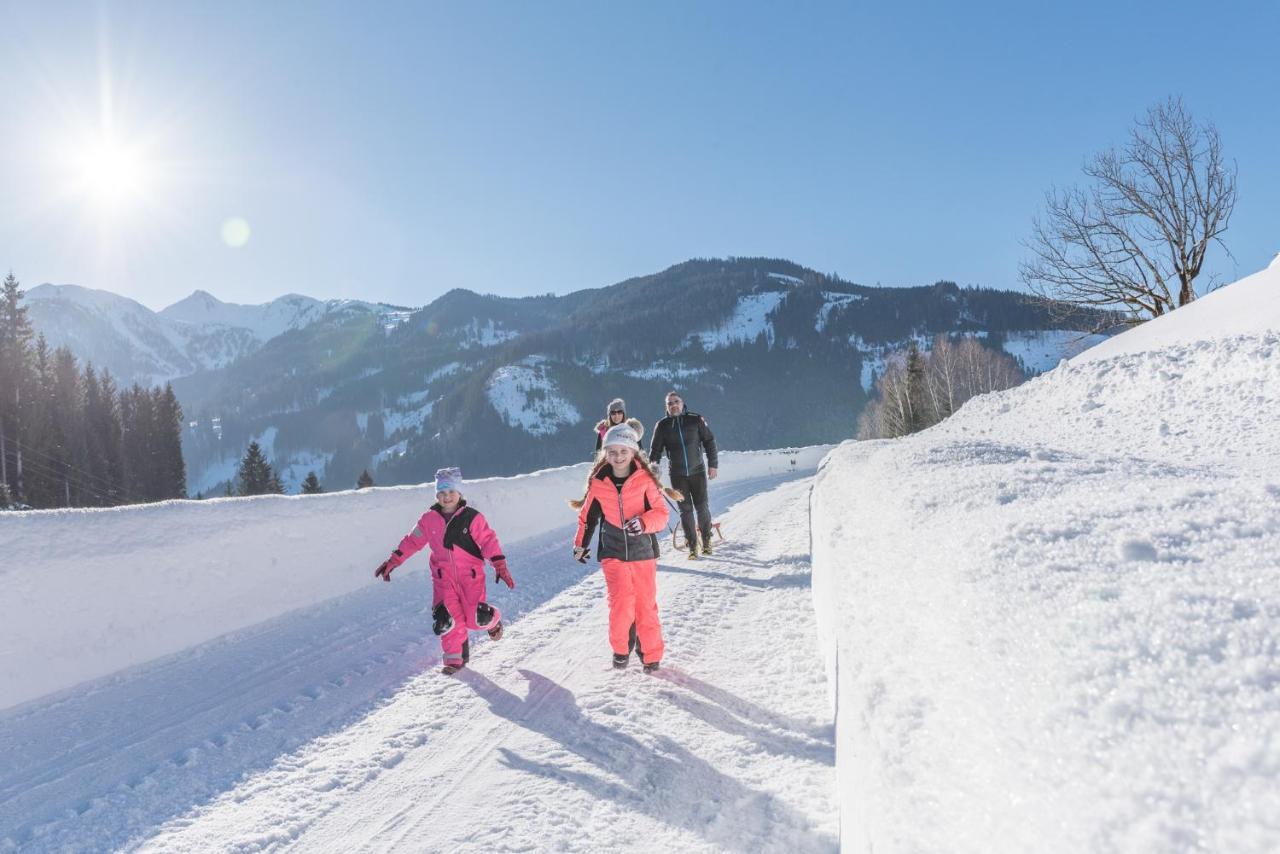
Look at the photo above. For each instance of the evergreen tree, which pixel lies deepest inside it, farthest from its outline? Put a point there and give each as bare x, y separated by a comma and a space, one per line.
311, 486
255, 475
54, 440
137, 418
15, 341
917, 419
105, 439
365, 481
40, 435
274, 485
170, 470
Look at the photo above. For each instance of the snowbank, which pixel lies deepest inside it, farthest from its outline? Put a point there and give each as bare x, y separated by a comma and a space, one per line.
84, 593
1250, 305
1051, 620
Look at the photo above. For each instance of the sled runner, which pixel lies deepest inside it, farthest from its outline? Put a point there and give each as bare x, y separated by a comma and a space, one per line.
678, 541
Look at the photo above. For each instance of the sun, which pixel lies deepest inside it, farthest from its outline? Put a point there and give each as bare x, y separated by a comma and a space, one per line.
110, 174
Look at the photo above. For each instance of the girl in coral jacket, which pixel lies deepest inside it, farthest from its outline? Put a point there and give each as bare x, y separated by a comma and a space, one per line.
460, 540
624, 499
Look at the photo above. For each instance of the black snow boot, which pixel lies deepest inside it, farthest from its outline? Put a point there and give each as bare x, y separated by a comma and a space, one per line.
651, 667
466, 650
620, 661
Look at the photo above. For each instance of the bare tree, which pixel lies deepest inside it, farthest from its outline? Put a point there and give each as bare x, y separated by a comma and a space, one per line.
951, 372
1137, 237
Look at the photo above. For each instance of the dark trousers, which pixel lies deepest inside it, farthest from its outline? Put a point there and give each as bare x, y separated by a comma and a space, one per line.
694, 489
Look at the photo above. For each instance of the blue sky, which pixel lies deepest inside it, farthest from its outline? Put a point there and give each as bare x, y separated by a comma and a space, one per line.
394, 151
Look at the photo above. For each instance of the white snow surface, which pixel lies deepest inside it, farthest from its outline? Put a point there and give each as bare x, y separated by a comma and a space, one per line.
669, 372
749, 320
279, 697
293, 471
1042, 350
527, 396
487, 334
1250, 305
1050, 622
833, 302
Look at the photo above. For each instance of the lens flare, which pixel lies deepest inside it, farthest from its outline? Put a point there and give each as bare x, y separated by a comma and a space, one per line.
235, 232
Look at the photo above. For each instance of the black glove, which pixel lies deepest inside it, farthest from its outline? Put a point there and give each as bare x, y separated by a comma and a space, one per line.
581, 553
634, 526
384, 571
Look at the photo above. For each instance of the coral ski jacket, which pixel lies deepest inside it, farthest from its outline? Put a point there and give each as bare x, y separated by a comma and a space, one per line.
612, 507
459, 546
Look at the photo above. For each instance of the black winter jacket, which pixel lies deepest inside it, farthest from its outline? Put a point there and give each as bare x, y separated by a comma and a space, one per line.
683, 437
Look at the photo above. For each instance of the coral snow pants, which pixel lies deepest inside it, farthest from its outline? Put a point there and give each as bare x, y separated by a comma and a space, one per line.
462, 596
633, 600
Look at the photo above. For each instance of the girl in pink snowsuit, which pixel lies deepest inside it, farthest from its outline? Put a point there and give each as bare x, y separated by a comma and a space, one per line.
461, 541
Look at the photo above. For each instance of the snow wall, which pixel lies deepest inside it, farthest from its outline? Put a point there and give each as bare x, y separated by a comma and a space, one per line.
84, 593
1049, 623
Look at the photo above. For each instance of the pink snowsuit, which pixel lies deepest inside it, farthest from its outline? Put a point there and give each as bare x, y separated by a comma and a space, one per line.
459, 548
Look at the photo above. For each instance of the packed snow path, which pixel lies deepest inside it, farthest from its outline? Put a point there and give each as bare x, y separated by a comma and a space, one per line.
332, 729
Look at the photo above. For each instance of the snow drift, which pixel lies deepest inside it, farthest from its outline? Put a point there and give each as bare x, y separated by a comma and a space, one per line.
1051, 620
84, 593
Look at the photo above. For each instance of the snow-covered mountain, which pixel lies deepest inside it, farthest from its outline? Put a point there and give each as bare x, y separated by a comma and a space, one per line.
774, 353
1050, 621
196, 334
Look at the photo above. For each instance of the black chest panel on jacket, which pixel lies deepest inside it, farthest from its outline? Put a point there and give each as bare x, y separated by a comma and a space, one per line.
457, 531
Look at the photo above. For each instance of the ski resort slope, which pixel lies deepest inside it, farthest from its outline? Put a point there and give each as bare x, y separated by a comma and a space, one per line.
330, 728
1050, 622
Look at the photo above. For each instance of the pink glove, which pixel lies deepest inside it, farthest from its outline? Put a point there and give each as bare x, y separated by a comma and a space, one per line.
501, 573
384, 571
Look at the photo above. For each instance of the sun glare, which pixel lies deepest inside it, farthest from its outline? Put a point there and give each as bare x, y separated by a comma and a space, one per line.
111, 175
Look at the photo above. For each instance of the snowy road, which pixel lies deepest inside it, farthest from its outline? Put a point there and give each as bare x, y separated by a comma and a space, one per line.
331, 729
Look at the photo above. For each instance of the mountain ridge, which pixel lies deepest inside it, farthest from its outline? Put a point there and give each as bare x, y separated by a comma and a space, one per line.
482, 380
197, 333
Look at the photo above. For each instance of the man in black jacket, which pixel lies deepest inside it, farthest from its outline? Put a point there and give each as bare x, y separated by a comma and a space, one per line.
683, 436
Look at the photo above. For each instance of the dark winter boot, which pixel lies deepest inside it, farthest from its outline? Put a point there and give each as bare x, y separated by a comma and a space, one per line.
466, 650
496, 631
452, 668
442, 621
693, 553
651, 667
706, 544
620, 661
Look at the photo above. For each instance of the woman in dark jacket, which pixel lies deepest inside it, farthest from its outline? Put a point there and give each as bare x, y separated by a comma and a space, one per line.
616, 414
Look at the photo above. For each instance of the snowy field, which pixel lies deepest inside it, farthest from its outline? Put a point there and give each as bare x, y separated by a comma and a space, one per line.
323, 723
1051, 621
